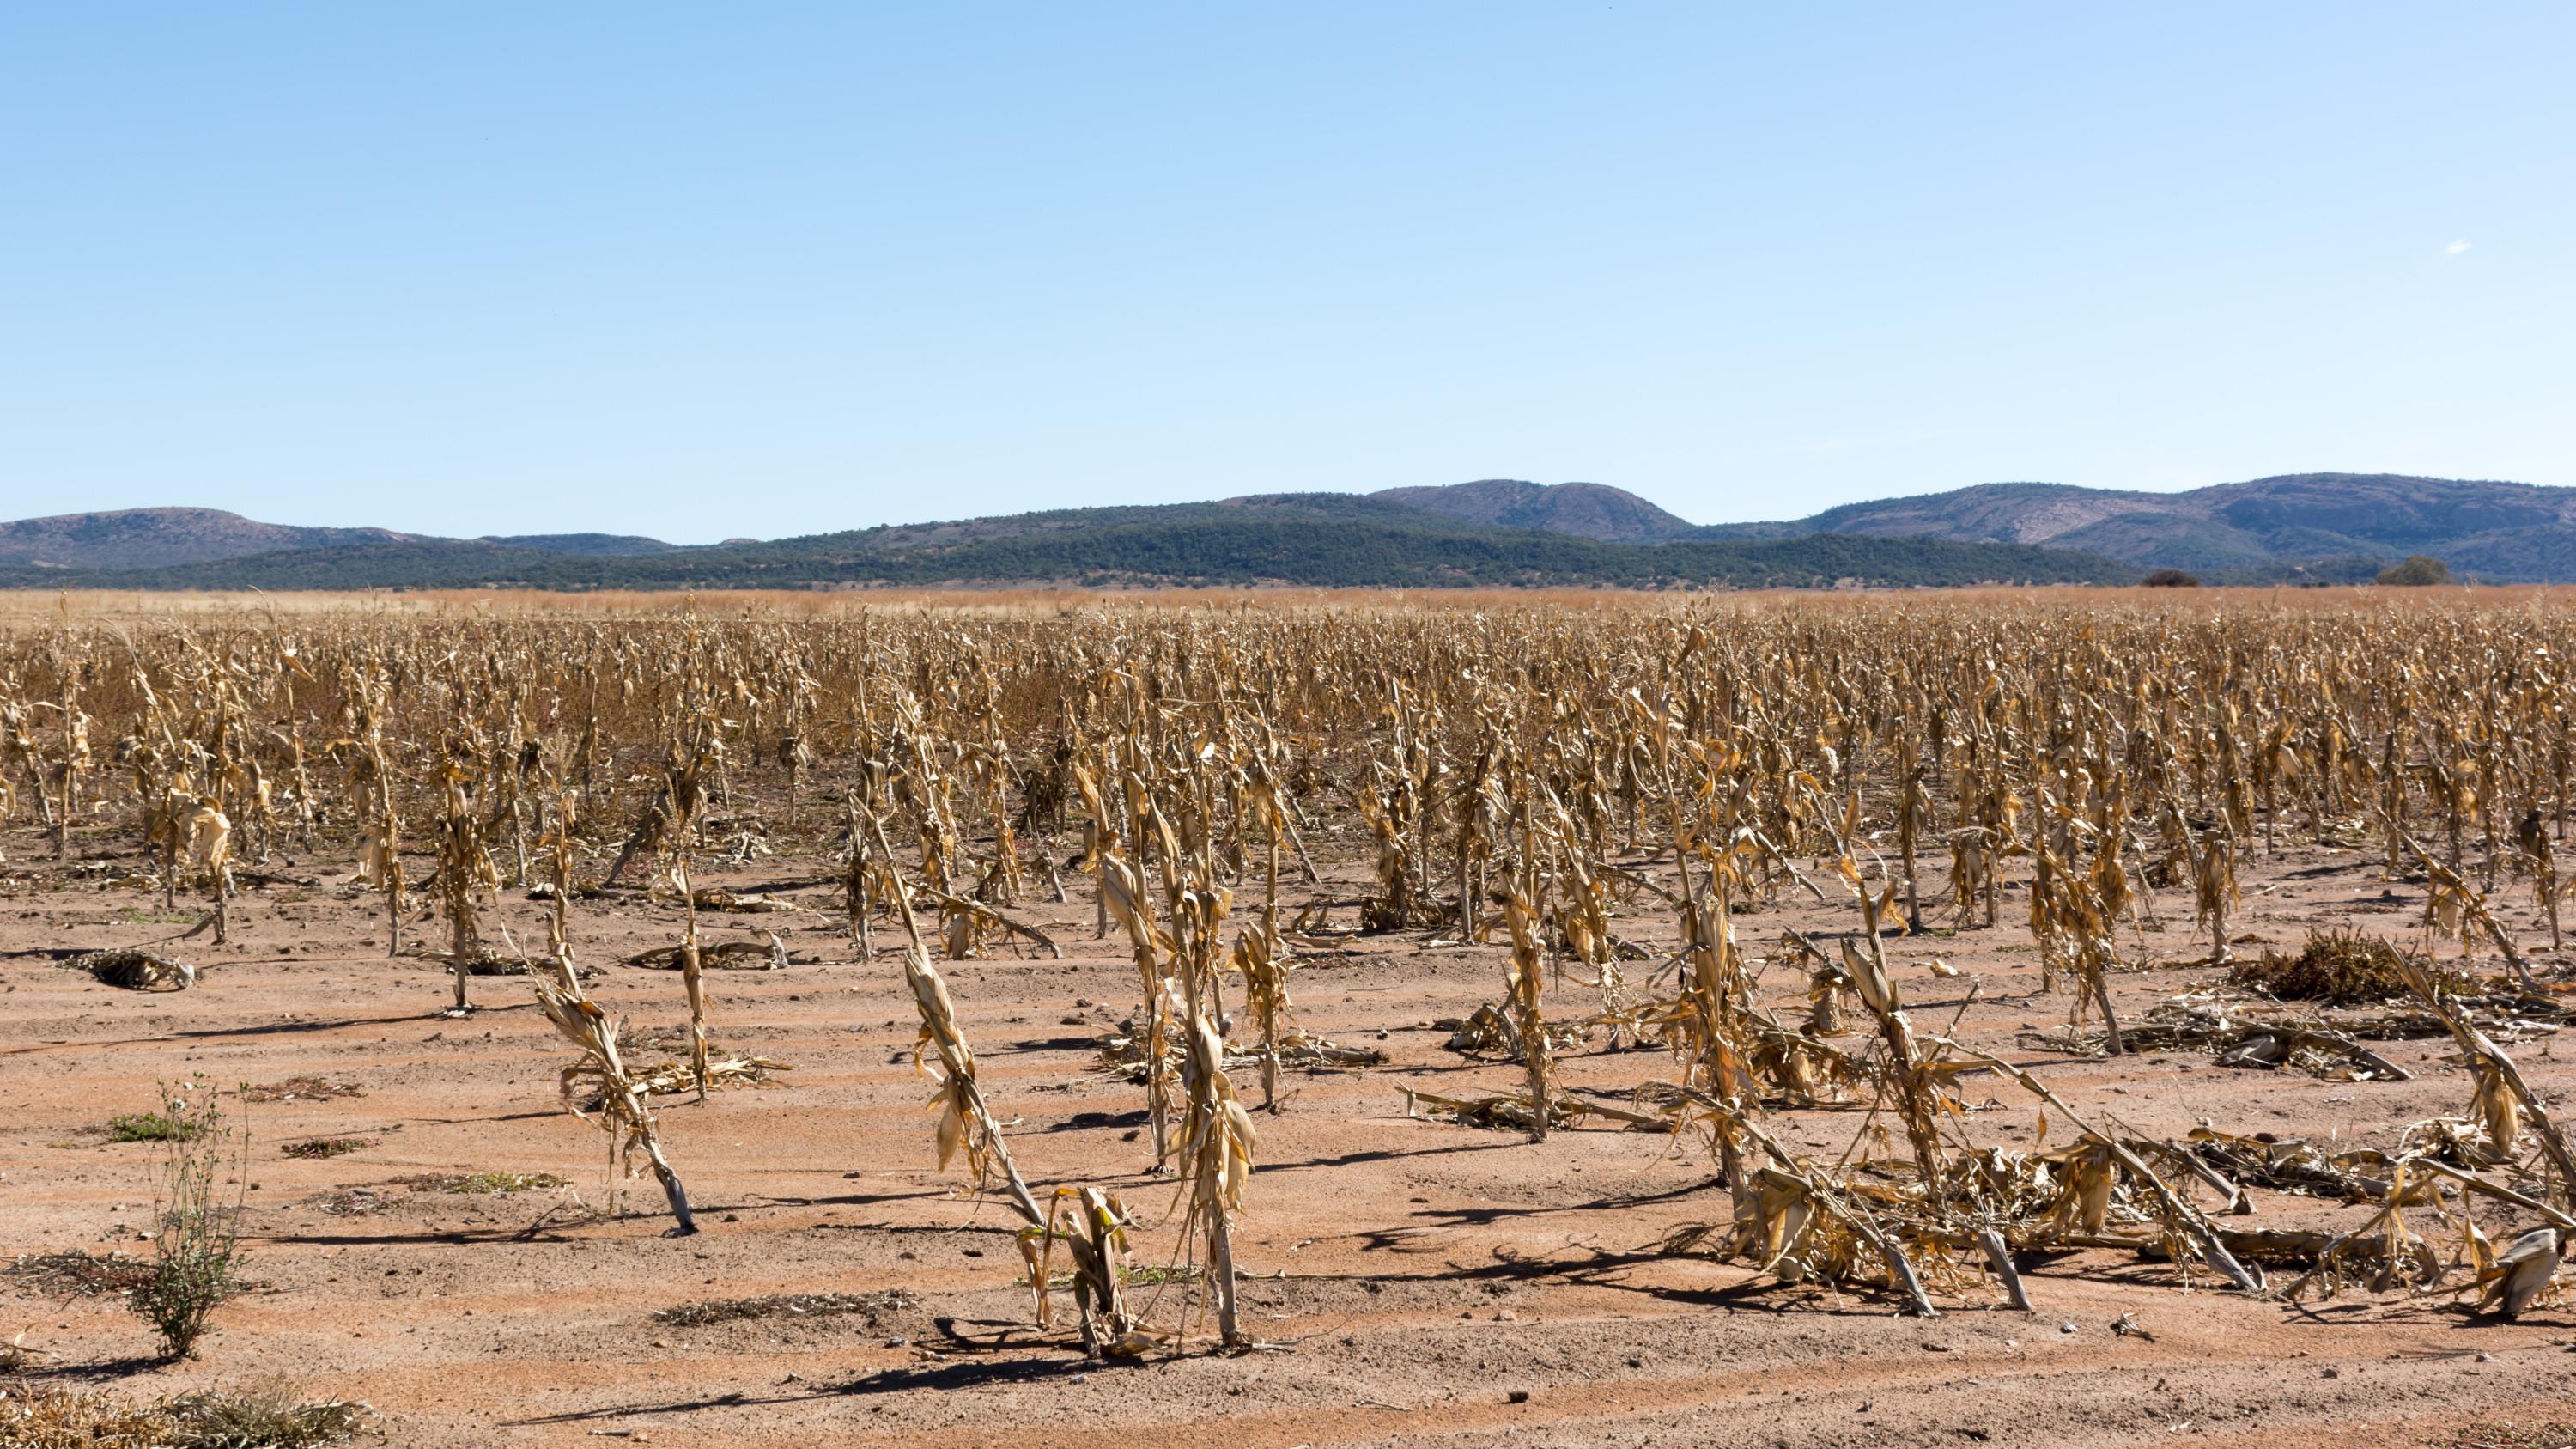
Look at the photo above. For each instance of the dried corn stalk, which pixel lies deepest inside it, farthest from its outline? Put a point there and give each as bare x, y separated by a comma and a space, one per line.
601, 1076
465, 872
1216, 1149
1523, 979
2502, 1099
1091, 1224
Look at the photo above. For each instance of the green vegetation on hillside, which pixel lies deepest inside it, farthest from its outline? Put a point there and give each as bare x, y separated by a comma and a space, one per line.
2416, 572
2305, 529
2297, 528
1341, 543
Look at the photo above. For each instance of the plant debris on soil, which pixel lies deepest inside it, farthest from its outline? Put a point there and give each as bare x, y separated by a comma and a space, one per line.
484, 1183
2548, 1434
301, 1089
354, 1202
318, 1147
810, 1305
79, 1275
2339, 966
48, 1417
136, 970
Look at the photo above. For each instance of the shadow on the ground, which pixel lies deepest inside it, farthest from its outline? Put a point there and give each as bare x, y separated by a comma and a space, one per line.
1057, 1366
1348, 1158
274, 1028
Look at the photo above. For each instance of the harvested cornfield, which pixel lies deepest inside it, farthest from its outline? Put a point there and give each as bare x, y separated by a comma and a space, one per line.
1325, 1021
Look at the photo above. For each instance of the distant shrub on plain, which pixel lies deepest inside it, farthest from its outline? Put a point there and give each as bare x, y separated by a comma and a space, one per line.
2417, 571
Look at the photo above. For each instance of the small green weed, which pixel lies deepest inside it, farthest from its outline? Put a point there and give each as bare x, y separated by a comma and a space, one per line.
150, 1127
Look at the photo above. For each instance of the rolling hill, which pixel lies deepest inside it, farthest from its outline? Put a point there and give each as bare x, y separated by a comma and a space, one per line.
605, 545
2314, 528
141, 538
2265, 528
1586, 510
1316, 539
153, 538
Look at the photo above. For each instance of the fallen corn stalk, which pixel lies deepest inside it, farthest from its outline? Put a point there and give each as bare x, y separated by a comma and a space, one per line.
137, 970
769, 955
2178, 1214
1513, 1110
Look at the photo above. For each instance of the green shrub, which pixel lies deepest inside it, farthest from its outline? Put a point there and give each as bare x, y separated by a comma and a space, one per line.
2417, 571
196, 1245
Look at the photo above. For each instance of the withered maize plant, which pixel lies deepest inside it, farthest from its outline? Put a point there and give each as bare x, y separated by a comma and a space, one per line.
1620, 797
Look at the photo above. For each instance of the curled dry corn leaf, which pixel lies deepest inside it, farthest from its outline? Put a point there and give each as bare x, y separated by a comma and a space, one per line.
2527, 1268
209, 836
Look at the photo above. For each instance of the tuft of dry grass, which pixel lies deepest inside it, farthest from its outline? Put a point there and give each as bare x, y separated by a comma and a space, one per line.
2556, 1434
261, 1418
79, 1275
352, 1202
320, 1147
806, 1305
484, 1183
301, 1089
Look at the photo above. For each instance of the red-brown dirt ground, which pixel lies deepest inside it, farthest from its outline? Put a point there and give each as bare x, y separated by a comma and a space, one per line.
1412, 1281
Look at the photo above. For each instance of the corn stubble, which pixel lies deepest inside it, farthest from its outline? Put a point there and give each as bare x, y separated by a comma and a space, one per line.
1550, 785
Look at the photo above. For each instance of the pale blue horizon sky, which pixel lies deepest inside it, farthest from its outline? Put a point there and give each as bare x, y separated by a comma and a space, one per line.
780, 269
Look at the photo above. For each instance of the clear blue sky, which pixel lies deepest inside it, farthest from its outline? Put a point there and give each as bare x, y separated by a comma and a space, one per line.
710, 270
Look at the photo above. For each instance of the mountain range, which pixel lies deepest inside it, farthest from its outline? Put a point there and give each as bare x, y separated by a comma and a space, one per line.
2317, 528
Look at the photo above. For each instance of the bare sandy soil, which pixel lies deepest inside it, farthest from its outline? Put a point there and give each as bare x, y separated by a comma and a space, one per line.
1415, 1282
